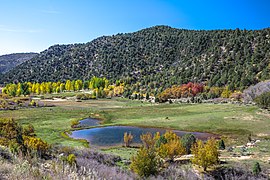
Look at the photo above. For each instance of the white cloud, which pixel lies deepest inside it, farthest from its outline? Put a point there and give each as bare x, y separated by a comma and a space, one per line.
18, 30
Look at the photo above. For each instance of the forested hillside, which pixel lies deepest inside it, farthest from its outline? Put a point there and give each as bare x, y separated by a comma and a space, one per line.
10, 61
159, 56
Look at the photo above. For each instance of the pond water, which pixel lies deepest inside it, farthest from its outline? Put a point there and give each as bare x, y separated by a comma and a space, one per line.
113, 135
88, 122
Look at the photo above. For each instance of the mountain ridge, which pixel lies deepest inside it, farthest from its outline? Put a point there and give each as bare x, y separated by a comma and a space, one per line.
161, 54
9, 61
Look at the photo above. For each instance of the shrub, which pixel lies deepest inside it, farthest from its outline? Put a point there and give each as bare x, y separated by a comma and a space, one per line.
145, 162
221, 144
74, 123
35, 145
32, 103
85, 96
263, 100
149, 140
171, 149
206, 154
5, 154
29, 130
10, 130
71, 159
14, 146
127, 139
257, 168
161, 140
188, 140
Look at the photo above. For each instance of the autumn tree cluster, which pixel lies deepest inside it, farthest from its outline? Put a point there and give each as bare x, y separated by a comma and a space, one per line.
186, 90
21, 140
158, 149
100, 87
190, 90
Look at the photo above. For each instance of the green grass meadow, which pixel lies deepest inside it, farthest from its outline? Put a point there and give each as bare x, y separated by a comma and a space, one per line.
234, 122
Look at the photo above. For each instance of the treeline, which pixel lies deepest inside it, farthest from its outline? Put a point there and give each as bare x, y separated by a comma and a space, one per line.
100, 87
157, 57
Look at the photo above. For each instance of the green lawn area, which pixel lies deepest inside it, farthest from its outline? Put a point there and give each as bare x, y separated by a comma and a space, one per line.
232, 121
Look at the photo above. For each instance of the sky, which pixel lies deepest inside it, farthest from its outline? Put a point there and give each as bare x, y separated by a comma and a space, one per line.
34, 25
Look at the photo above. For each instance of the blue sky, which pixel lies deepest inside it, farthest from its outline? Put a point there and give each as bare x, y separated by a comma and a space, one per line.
34, 25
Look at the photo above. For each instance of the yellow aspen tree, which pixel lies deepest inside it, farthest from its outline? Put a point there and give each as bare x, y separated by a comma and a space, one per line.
68, 85
206, 154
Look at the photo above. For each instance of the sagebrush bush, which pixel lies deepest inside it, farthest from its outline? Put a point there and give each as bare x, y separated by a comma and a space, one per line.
263, 100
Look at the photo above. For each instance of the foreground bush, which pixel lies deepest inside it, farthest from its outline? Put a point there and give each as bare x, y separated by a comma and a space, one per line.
35, 145
21, 140
206, 154
145, 163
188, 140
257, 168
263, 100
171, 146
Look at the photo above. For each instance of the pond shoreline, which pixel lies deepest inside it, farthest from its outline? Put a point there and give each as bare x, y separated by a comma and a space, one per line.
112, 134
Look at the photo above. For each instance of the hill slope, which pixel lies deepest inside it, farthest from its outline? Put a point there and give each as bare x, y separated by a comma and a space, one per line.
161, 55
10, 61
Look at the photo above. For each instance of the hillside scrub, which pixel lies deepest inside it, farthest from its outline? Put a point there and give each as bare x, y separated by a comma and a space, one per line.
234, 58
263, 100
254, 91
9, 61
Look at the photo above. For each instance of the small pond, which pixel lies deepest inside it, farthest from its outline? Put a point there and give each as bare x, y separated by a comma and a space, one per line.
88, 122
113, 135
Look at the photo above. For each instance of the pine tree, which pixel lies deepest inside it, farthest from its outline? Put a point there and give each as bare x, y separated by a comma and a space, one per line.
221, 144
257, 168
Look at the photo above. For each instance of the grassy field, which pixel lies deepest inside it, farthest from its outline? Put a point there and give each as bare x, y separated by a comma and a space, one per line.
49, 122
232, 121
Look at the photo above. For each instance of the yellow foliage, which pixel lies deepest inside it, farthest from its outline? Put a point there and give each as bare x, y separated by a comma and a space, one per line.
171, 136
171, 149
35, 144
128, 139
206, 154
145, 163
118, 90
149, 140
71, 159
226, 93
